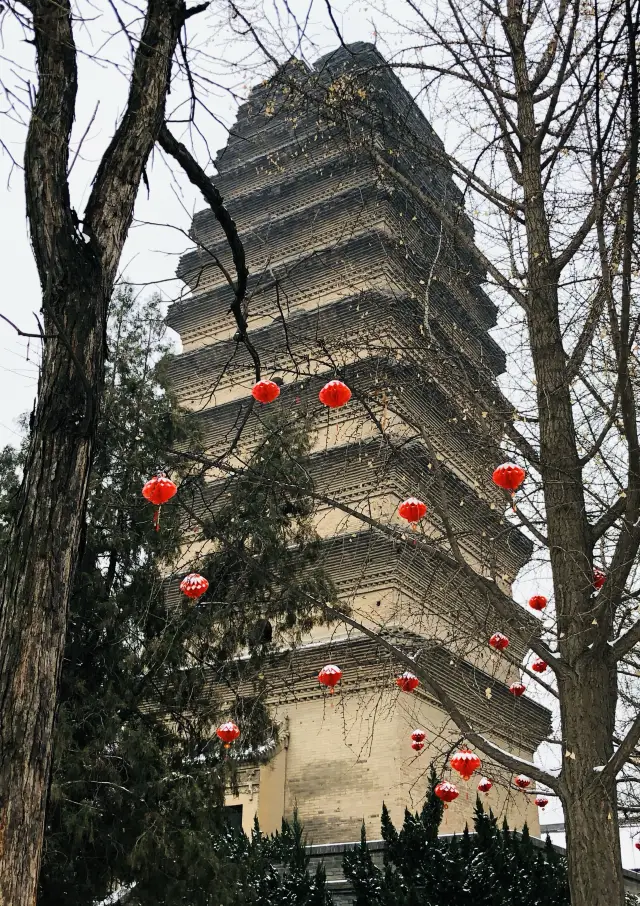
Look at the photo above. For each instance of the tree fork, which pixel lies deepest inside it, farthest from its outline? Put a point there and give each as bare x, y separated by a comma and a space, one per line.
76, 274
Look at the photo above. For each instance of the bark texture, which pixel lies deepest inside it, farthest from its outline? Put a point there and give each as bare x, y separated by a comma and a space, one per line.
587, 793
77, 270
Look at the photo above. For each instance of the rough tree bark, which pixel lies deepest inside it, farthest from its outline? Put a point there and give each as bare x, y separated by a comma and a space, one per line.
77, 270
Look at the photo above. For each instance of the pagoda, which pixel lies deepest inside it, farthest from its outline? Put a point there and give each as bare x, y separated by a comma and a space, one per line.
353, 276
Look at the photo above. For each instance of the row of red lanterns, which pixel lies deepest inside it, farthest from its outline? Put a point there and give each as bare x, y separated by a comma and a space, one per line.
160, 489
330, 676
335, 394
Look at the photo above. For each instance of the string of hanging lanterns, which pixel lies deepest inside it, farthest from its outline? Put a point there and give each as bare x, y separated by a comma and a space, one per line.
335, 394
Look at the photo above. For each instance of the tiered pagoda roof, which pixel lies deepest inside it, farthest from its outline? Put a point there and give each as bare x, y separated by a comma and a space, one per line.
353, 277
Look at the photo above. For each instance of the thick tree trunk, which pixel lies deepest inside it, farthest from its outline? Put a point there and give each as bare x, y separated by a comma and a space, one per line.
77, 271
44, 545
588, 795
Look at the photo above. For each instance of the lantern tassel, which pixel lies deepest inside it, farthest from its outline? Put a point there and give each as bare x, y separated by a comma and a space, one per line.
156, 519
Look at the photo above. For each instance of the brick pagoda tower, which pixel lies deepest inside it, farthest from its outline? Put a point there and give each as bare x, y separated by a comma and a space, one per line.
352, 277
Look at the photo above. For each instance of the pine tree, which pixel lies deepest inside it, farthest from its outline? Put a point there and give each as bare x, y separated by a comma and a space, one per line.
489, 867
365, 876
139, 778
293, 884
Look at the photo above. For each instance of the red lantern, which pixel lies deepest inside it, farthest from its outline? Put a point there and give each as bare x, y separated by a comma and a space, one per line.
418, 736
417, 746
194, 585
499, 641
509, 477
537, 602
521, 781
446, 791
465, 762
227, 733
485, 785
541, 801
412, 510
265, 391
539, 666
637, 845
158, 490
334, 394
599, 578
408, 682
330, 676
517, 689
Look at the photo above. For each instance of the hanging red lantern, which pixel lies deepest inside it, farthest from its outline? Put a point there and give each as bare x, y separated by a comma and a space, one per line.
407, 682
330, 676
517, 689
159, 490
418, 736
499, 641
599, 578
227, 733
334, 394
194, 585
446, 791
539, 666
485, 785
417, 746
412, 510
537, 602
265, 391
521, 781
509, 477
465, 762
637, 845
541, 801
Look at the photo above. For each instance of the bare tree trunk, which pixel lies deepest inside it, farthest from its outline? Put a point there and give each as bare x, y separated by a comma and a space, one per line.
46, 540
588, 795
77, 270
